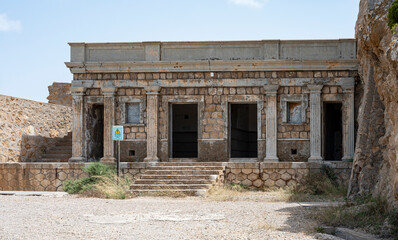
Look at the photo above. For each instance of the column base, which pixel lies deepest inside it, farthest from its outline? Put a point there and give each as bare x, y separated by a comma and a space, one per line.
347, 159
108, 160
317, 159
271, 159
76, 159
151, 159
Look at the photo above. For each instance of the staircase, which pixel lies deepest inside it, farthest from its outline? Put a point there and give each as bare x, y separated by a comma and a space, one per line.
179, 178
61, 152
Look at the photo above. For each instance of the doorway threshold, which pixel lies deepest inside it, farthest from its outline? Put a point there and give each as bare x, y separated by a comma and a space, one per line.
244, 160
183, 160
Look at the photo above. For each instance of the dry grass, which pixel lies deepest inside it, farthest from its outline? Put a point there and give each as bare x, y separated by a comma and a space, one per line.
367, 213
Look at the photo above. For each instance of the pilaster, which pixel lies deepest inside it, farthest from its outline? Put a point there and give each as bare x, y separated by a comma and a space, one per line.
315, 123
152, 123
109, 118
78, 126
348, 123
271, 123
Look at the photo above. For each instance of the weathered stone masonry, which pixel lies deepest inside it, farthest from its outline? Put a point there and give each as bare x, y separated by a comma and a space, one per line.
287, 81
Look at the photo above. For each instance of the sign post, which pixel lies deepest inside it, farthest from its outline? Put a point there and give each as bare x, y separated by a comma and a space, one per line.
117, 135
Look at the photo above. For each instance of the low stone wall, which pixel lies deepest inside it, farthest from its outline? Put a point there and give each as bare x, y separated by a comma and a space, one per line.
50, 176
29, 128
279, 174
59, 93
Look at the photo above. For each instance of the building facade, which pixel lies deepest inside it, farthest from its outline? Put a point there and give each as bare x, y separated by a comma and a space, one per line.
290, 101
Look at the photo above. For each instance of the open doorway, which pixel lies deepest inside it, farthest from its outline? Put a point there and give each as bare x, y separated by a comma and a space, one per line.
184, 131
95, 132
333, 131
243, 130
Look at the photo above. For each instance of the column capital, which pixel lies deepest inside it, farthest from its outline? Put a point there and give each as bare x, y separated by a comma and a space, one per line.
77, 91
152, 90
109, 90
271, 89
348, 88
315, 88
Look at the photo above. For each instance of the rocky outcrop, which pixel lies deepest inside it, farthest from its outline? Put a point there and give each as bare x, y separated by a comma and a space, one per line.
375, 164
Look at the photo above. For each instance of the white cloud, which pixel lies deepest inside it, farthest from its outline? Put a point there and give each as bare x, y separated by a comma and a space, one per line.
249, 3
7, 25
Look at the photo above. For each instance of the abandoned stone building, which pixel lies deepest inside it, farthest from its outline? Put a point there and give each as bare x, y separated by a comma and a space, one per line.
286, 101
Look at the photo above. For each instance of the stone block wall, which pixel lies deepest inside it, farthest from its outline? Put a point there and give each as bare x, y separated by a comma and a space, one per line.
59, 93
50, 176
279, 174
29, 128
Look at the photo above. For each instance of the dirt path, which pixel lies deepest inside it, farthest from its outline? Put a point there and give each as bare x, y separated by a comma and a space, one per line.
150, 218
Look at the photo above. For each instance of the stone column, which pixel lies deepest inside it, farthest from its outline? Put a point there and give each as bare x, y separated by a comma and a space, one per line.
109, 118
78, 129
348, 123
271, 124
152, 124
315, 123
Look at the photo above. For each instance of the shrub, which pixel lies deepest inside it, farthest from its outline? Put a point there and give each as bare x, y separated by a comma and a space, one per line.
101, 182
393, 15
370, 214
324, 183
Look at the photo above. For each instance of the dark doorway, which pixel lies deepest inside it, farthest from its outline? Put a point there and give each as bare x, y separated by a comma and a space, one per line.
184, 130
243, 130
333, 130
95, 132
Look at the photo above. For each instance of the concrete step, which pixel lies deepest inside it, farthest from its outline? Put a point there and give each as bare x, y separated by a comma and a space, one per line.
59, 151
63, 147
182, 172
168, 186
180, 168
179, 177
174, 181
57, 155
55, 159
208, 164
174, 192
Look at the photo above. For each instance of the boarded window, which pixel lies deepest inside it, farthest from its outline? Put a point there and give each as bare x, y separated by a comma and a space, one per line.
294, 114
133, 113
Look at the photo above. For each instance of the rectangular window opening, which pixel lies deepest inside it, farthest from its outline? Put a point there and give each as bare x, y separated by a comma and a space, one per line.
133, 113
294, 112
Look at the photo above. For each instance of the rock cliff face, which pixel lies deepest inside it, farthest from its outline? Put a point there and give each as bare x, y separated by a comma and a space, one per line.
375, 168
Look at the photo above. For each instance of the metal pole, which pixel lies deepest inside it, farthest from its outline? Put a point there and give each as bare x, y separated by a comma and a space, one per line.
118, 159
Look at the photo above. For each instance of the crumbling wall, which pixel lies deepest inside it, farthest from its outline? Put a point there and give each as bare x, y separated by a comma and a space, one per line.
375, 164
59, 93
29, 128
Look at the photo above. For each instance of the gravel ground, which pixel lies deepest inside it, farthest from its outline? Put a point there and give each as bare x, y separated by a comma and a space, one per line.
70, 217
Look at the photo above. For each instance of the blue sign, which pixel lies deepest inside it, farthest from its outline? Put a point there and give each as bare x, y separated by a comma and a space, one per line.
117, 133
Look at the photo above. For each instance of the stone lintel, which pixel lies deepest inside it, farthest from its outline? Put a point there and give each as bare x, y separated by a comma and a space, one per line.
78, 90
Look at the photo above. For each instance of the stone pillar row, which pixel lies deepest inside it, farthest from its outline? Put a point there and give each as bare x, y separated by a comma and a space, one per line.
152, 93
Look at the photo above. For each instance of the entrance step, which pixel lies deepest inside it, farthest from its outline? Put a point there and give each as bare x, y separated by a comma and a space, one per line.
169, 186
61, 152
181, 178
176, 164
171, 192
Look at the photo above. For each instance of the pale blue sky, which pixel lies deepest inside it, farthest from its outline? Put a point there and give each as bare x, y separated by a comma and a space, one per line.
34, 34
